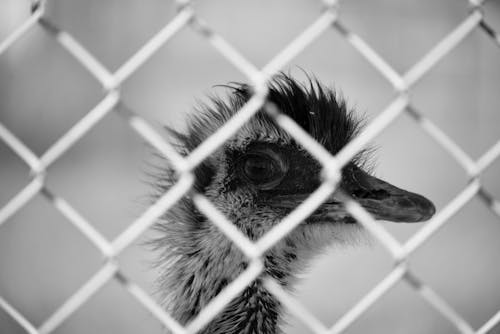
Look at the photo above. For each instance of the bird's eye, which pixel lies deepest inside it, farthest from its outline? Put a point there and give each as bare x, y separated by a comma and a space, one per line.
264, 169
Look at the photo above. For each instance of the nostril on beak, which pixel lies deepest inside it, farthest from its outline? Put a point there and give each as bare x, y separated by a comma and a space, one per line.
376, 194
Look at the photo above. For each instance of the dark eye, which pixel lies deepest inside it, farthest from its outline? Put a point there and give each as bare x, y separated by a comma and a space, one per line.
264, 169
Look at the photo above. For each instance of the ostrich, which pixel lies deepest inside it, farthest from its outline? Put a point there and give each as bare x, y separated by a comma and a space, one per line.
256, 179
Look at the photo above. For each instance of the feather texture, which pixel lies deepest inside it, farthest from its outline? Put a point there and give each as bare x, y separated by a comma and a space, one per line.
197, 261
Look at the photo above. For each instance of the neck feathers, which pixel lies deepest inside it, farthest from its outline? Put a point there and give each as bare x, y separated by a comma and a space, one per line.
254, 311
198, 261
191, 279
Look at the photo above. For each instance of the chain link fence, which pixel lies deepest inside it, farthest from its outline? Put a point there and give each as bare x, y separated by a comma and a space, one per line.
328, 19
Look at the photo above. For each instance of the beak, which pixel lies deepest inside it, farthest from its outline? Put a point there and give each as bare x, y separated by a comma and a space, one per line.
383, 200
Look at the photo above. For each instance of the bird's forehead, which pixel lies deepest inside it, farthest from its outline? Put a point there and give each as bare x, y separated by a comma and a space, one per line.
262, 130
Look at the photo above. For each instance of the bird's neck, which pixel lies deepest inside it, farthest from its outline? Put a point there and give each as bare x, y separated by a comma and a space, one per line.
199, 261
195, 277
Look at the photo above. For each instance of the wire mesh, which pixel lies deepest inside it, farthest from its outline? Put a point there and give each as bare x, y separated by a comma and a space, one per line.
112, 103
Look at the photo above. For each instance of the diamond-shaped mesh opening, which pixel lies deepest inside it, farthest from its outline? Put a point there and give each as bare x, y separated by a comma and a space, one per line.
112, 43
253, 39
40, 261
103, 178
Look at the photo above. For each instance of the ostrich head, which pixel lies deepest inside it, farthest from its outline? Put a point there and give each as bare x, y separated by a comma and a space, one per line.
257, 178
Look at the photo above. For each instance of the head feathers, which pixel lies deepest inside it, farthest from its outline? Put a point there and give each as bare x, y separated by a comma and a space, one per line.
316, 108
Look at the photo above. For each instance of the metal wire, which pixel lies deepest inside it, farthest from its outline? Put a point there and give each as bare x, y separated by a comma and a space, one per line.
111, 102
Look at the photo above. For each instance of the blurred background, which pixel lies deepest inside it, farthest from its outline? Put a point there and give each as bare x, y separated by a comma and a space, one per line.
44, 91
